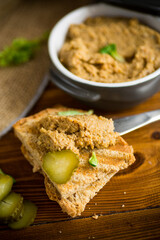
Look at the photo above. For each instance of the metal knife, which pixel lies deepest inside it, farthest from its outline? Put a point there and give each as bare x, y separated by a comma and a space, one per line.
128, 124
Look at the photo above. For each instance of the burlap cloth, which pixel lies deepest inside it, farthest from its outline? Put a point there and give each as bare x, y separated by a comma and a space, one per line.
21, 86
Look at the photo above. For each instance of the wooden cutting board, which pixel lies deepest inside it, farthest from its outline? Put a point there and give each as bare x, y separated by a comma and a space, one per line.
128, 207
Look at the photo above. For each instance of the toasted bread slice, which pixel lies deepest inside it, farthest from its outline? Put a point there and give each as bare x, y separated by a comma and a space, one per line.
46, 131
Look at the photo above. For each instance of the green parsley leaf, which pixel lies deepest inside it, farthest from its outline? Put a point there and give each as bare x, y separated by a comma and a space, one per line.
74, 112
111, 49
93, 160
20, 51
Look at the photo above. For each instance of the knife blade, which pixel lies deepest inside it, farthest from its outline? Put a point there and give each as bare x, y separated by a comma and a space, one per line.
130, 123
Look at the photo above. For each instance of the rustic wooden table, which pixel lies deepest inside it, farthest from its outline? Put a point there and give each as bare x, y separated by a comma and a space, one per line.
128, 206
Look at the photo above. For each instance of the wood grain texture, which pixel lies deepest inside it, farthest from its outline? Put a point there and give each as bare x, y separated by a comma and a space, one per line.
141, 224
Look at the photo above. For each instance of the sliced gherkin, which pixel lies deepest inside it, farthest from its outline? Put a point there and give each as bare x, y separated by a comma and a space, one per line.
11, 207
20, 213
59, 166
28, 217
2, 173
6, 183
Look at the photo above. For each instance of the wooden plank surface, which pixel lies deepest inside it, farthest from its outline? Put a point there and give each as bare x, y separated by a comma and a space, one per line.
126, 224
128, 206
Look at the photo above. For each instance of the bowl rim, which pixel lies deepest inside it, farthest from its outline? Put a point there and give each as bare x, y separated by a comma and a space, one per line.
64, 71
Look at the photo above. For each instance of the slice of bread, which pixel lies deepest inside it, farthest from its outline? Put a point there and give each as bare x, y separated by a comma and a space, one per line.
47, 131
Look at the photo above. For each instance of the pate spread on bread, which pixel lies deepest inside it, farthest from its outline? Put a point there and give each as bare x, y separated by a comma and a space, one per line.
47, 131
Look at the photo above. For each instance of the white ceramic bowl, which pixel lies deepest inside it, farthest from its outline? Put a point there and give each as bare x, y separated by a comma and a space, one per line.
112, 94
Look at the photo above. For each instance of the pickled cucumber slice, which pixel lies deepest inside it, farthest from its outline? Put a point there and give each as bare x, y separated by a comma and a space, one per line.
28, 217
11, 207
6, 183
2, 173
60, 165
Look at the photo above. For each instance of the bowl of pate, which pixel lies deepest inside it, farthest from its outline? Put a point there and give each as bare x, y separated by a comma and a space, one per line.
106, 56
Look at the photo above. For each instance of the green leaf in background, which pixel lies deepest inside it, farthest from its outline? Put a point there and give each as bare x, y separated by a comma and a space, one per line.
93, 160
73, 112
20, 51
111, 49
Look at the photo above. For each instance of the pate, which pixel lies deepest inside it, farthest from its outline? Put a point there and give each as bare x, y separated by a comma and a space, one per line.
138, 44
47, 138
